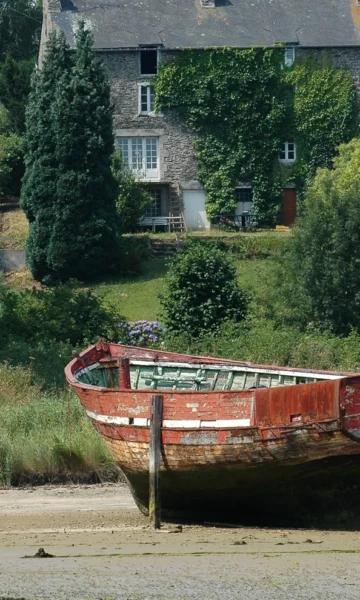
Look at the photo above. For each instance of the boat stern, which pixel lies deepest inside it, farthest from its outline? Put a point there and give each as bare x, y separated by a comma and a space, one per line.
350, 407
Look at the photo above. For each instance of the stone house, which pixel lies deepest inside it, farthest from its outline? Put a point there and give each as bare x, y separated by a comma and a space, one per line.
135, 36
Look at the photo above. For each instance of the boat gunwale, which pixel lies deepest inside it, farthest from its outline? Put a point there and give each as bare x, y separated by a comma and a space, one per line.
74, 382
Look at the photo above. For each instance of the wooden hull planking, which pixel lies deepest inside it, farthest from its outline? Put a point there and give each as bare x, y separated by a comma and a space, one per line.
223, 448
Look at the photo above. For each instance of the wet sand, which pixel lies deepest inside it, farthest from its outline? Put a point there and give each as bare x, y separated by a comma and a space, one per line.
103, 548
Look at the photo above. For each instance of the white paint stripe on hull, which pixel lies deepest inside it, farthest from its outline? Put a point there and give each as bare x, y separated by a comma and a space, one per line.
169, 423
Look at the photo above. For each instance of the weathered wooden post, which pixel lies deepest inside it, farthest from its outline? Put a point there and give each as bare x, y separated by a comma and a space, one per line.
154, 461
124, 373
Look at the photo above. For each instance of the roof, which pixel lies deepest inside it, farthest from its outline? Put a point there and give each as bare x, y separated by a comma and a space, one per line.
180, 24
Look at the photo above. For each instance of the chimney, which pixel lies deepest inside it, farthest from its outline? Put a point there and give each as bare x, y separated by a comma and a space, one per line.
50, 8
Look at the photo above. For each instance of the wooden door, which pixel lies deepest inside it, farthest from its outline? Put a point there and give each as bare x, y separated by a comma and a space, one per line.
288, 207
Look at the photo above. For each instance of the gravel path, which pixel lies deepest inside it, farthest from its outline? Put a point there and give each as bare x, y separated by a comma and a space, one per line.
103, 549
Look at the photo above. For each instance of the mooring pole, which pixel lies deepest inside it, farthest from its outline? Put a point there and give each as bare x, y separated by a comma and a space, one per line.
124, 373
154, 461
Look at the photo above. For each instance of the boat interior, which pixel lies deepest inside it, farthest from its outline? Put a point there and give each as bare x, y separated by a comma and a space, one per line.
147, 375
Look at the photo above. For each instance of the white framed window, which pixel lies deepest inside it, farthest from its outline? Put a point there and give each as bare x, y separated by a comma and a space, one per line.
148, 61
140, 155
146, 99
289, 56
154, 209
287, 154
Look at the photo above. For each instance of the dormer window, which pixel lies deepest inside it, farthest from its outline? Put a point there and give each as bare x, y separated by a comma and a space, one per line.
289, 56
287, 154
148, 61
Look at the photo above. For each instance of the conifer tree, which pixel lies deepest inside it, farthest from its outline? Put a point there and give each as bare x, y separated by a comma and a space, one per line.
84, 237
40, 180
69, 191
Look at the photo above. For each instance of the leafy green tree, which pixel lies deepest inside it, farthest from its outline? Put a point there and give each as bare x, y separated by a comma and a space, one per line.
20, 27
201, 291
15, 77
5, 125
84, 238
38, 192
11, 164
132, 197
322, 266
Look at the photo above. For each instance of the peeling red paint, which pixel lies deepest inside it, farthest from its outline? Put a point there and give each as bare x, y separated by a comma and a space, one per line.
288, 424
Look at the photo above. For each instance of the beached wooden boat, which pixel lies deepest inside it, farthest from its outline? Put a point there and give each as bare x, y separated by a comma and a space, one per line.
237, 438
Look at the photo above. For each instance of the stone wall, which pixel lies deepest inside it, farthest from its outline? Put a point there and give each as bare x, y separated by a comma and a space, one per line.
177, 159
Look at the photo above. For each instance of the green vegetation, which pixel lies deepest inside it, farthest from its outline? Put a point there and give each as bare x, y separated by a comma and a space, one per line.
43, 327
45, 436
325, 114
136, 297
132, 198
234, 100
242, 105
13, 230
20, 26
69, 190
11, 164
201, 291
262, 341
322, 262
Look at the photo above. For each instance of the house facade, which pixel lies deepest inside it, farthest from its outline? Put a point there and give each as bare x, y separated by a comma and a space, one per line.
134, 38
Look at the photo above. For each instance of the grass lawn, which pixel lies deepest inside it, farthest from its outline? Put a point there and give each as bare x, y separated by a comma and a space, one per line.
13, 230
136, 297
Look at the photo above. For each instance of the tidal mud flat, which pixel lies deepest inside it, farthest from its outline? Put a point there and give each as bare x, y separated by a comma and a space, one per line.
101, 547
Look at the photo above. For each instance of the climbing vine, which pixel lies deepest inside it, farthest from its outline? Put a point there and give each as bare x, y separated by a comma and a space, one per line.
242, 105
325, 114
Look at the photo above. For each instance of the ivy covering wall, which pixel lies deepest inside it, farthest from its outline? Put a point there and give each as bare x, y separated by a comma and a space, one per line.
242, 106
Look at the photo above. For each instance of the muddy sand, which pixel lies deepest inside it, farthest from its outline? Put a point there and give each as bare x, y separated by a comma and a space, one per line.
103, 548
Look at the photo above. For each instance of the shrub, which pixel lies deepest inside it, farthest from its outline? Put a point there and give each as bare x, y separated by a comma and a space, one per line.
322, 265
132, 197
144, 333
201, 290
5, 124
62, 314
11, 164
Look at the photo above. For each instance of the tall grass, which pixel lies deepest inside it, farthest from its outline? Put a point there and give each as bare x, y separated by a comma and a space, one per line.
46, 436
260, 340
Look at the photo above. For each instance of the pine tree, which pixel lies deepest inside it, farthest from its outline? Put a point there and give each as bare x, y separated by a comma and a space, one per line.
69, 191
84, 238
39, 184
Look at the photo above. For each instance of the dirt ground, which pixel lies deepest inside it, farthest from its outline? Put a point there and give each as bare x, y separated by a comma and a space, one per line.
103, 548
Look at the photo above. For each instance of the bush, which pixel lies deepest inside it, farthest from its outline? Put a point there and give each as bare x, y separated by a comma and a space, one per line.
201, 291
322, 266
11, 164
144, 333
132, 197
5, 123
42, 328
62, 314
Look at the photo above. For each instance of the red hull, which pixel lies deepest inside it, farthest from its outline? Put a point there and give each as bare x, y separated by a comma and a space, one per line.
211, 440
